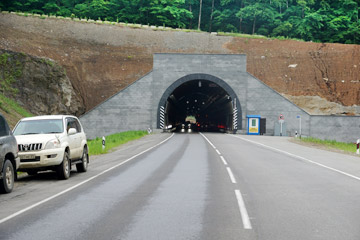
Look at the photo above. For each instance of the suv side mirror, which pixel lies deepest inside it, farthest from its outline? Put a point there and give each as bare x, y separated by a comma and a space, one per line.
72, 131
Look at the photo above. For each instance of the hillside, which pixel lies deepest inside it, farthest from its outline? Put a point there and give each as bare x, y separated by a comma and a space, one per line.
102, 59
38, 85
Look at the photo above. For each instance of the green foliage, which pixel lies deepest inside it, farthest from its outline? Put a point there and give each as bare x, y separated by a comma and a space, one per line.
311, 20
10, 70
113, 141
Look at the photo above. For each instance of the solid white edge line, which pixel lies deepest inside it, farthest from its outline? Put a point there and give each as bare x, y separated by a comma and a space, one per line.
81, 183
301, 158
223, 159
231, 175
243, 212
218, 152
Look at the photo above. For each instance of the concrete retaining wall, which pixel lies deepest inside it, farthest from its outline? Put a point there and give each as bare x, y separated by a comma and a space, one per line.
130, 109
137, 106
339, 128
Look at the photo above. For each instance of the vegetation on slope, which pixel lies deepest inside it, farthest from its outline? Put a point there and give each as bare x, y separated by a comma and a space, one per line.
12, 111
113, 141
310, 20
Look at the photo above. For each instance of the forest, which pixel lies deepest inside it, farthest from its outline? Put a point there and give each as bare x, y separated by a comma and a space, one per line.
335, 21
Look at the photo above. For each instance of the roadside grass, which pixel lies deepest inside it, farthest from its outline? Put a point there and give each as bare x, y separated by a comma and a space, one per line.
241, 35
112, 141
331, 144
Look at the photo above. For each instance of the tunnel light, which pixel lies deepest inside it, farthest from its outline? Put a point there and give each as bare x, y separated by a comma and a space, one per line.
187, 102
203, 103
195, 100
199, 83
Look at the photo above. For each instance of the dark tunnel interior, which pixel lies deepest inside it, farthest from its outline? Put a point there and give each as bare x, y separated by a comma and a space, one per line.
199, 105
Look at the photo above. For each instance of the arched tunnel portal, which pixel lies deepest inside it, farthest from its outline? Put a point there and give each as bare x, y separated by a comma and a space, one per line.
199, 102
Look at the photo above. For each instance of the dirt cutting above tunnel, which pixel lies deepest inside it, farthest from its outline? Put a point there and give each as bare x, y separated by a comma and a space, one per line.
101, 59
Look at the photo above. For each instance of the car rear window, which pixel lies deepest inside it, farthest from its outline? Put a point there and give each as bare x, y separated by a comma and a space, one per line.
3, 127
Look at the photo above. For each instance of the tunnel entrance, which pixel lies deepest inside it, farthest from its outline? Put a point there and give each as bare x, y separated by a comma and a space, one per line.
199, 102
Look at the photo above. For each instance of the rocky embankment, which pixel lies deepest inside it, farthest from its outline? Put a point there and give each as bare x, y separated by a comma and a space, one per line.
39, 85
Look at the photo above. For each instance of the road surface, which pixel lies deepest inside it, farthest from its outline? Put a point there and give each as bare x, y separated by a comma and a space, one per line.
193, 186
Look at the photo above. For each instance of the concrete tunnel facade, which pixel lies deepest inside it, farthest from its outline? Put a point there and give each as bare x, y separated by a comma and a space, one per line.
217, 90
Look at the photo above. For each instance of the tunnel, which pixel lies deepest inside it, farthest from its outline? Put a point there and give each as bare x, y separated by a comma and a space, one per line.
199, 102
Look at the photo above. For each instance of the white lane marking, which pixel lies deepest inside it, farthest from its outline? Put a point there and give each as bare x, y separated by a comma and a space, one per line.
81, 183
243, 212
301, 158
223, 159
208, 141
231, 175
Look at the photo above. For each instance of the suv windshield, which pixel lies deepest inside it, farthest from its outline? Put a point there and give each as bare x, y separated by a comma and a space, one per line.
45, 126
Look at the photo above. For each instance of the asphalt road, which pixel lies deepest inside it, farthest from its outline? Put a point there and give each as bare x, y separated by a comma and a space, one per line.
193, 186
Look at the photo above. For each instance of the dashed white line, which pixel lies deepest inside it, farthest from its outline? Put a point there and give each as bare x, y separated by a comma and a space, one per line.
223, 159
81, 183
231, 175
244, 214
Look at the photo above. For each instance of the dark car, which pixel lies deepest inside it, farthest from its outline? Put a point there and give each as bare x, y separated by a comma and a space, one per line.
9, 160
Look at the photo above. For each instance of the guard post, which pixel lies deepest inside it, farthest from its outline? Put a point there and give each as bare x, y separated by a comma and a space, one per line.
253, 124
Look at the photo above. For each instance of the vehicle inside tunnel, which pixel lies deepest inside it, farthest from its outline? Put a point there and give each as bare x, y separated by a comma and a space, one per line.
199, 105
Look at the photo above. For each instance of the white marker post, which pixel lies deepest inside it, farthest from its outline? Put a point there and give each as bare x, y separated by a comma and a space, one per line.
103, 143
281, 121
299, 117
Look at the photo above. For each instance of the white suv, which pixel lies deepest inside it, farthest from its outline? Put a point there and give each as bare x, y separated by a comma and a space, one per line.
53, 142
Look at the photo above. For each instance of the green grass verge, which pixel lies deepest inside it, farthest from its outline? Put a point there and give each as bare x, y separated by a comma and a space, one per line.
347, 147
112, 141
242, 35
8, 106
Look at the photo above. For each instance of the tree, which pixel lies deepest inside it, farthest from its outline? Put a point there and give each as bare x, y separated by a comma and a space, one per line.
51, 7
250, 12
316, 20
211, 14
199, 23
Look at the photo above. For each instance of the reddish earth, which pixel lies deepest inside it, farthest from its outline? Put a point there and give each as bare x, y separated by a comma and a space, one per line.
102, 59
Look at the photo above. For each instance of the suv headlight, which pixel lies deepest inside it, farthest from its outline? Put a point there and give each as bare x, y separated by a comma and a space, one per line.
55, 143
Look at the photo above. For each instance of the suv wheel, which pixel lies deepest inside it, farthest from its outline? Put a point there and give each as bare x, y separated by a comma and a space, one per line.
8, 177
63, 170
82, 167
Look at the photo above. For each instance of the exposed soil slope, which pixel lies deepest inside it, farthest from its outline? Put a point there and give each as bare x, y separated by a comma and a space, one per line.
102, 59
